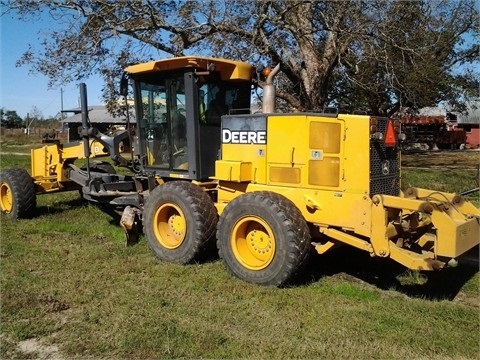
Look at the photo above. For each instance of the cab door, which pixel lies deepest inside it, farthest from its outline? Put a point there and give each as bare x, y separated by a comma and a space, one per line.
162, 123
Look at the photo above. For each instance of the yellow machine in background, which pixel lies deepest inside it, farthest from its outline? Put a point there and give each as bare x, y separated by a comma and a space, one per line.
268, 188
48, 163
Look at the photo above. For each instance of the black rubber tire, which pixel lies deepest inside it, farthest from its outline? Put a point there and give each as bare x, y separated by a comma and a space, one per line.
181, 209
288, 238
18, 198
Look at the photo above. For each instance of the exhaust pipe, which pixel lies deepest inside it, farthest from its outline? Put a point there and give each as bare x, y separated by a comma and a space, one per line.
269, 92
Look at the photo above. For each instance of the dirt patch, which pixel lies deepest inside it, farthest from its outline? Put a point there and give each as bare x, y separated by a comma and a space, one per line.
13, 153
28, 349
34, 347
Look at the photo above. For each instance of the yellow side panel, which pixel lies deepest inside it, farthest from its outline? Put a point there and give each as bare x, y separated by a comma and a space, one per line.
233, 171
356, 157
325, 136
287, 139
313, 143
325, 172
251, 153
287, 175
75, 150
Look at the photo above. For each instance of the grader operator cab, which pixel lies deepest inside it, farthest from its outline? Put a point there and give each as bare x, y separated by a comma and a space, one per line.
266, 188
179, 104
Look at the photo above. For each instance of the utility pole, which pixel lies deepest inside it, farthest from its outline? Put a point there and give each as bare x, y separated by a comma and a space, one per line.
27, 125
61, 104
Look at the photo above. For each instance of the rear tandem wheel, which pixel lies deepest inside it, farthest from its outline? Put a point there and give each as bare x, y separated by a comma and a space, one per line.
17, 193
263, 238
179, 221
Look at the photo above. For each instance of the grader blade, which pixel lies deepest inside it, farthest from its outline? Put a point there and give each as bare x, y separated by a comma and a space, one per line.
129, 223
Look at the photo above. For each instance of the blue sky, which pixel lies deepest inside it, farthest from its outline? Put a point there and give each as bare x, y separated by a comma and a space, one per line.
19, 89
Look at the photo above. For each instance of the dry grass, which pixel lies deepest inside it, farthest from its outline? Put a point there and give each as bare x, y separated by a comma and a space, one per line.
468, 159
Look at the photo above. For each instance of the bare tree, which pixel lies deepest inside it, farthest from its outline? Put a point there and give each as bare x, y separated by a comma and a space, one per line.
375, 55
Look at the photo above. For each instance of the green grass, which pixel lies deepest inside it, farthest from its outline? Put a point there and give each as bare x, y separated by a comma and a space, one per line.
9, 161
68, 280
456, 181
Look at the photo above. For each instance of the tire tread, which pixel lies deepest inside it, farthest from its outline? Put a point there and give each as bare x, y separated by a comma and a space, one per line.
23, 191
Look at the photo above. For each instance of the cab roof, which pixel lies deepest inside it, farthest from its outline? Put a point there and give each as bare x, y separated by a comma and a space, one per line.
228, 69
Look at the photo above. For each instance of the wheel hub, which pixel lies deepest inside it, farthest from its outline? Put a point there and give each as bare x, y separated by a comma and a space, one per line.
177, 225
6, 198
171, 226
253, 243
259, 242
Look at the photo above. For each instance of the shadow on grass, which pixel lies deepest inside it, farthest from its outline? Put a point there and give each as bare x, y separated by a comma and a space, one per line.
385, 274
61, 206
58, 207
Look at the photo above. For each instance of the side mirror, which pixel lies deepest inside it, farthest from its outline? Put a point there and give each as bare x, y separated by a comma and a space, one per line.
124, 84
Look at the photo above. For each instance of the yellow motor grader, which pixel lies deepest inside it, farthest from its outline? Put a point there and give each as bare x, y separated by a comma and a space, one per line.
268, 188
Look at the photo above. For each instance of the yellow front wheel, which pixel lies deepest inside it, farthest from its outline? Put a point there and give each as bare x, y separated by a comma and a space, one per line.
263, 238
17, 193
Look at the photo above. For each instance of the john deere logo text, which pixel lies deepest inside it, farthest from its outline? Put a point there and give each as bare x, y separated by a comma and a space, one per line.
244, 137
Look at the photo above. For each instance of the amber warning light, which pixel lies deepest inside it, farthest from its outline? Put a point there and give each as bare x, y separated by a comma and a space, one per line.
390, 139
266, 72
